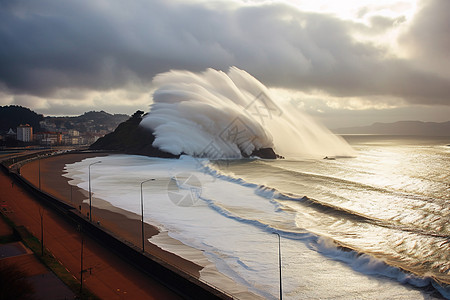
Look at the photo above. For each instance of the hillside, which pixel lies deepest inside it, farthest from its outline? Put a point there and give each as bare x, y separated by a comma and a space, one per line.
131, 138
93, 121
13, 115
400, 128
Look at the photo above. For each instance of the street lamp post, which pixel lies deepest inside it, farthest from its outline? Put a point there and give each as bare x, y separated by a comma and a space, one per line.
279, 264
81, 261
39, 160
142, 213
41, 213
90, 195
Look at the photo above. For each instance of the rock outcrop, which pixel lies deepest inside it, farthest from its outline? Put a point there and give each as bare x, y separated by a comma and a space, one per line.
130, 138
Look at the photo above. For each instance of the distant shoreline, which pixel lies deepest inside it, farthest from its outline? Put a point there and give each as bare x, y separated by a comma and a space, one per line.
412, 128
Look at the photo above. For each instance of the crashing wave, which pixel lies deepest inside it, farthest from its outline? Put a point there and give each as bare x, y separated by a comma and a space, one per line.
219, 115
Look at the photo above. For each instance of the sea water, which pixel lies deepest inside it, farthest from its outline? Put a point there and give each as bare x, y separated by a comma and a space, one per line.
372, 226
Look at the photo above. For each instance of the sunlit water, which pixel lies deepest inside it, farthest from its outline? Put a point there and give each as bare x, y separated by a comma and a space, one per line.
374, 226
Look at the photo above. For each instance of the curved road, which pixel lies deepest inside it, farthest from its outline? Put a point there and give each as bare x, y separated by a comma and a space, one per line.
110, 277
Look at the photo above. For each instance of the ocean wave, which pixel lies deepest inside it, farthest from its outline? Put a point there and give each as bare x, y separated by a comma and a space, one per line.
367, 264
360, 185
273, 195
229, 115
234, 208
357, 260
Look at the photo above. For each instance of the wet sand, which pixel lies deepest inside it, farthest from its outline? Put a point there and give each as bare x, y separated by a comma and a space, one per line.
119, 222
124, 224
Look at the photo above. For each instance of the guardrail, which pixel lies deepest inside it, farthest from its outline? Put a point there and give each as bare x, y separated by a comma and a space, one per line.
185, 284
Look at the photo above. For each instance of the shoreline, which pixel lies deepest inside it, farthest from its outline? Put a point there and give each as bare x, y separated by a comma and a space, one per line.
106, 274
122, 223
127, 225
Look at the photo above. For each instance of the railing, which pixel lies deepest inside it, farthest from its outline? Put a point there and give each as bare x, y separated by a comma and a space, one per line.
182, 281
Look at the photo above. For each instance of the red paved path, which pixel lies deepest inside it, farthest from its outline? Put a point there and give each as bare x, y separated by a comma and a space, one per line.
111, 278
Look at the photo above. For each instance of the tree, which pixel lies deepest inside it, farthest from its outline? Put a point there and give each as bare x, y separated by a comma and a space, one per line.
14, 115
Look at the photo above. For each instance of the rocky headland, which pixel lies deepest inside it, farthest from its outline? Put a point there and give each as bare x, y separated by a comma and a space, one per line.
130, 138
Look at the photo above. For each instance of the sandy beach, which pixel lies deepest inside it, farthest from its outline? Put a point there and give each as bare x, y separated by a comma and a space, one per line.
124, 224
108, 277
121, 223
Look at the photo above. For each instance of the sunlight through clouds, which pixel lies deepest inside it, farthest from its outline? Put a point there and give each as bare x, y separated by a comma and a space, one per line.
357, 54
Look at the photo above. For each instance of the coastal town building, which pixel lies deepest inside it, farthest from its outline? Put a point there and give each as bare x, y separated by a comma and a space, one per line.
49, 138
25, 133
55, 131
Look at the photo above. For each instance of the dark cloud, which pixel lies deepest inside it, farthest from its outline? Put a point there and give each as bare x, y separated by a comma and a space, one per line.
430, 33
429, 36
48, 45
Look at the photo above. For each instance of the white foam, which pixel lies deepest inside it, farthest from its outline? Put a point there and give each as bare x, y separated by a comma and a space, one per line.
232, 225
215, 114
369, 264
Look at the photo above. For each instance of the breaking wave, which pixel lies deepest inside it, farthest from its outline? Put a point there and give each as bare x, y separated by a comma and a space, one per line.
356, 258
229, 115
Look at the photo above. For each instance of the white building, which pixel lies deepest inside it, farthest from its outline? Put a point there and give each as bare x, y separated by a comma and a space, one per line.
74, 132
25, 133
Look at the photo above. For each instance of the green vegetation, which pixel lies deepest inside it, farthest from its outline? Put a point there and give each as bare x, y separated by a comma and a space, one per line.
13, 115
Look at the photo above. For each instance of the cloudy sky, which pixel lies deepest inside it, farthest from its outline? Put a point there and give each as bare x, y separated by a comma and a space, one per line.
347, 62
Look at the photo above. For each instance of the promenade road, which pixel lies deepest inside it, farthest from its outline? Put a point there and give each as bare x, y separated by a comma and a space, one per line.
108, 276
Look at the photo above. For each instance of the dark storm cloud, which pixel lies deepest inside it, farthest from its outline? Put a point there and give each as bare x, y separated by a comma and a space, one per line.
102, 45
429, 36
431, 30
51, 44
